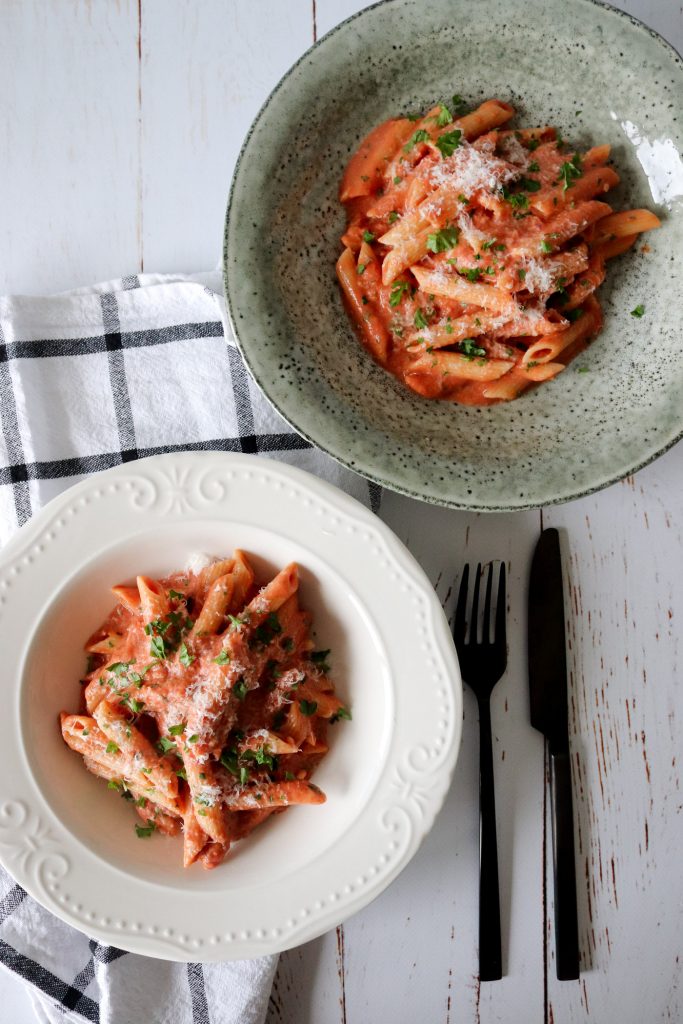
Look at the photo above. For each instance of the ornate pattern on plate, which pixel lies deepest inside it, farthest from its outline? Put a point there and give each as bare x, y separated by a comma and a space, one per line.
418, 781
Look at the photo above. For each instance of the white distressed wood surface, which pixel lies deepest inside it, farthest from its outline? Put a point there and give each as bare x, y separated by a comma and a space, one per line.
121, 122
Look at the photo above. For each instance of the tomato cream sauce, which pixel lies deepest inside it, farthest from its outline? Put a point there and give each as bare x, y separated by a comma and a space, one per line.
469, 209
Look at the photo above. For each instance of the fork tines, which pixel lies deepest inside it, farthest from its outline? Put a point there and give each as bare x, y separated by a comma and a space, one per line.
463, 637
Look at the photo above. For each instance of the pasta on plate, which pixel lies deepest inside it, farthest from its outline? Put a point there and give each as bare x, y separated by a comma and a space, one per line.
472, 252
205, 704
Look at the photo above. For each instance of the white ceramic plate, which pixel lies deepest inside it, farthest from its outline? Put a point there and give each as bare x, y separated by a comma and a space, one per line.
70, 842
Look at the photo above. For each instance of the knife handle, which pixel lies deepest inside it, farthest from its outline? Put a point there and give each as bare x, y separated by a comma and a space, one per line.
566, 915
490, 958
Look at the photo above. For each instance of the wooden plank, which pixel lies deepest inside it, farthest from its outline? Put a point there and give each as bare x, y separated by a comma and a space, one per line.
624, 602
206, 70
69, 173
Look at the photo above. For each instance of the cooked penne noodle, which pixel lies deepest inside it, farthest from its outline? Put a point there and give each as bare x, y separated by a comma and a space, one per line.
626, 222
212, 716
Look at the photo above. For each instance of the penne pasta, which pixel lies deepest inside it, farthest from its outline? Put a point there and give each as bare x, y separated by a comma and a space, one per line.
219, 713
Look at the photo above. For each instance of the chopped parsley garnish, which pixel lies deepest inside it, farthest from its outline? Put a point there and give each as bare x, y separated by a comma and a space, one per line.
115, 784
444, 116
570, 171
583, 369
193, 738
533, 144
420, 320
471, 273
573, 314
342, 713
534, 166
529, 184
398, 289
175, 595
449, 142
157, 647
135, 706
458, 104
184, 656
145, 831
290, 777
521, 274
308, 707
223, 658
468, 347
419, 136
177, 730
267, 631
517, 200
261, 756
545, 246
112, 748
119, 668
360, 269
443, 240
638, 311
319, 659
165, 745
393, 216
462, 198
240, 689
368, 237
488, 244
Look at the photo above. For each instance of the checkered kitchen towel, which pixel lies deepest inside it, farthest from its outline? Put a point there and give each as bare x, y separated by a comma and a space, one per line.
88, 380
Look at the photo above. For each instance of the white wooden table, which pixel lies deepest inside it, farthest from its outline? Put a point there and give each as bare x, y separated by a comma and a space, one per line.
120, 125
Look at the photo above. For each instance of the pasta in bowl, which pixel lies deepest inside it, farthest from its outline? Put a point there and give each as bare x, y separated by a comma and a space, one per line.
599, 78
206, 705
473, 250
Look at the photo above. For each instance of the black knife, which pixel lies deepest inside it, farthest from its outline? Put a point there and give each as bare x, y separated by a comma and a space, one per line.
549, 714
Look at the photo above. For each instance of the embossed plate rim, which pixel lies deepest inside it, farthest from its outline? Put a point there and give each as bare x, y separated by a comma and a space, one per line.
424, 734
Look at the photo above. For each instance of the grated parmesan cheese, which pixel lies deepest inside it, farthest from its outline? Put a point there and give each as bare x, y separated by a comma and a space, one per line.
470, 169
538, 278
198, 560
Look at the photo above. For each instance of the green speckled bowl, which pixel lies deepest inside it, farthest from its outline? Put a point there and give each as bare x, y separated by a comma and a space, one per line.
593, 71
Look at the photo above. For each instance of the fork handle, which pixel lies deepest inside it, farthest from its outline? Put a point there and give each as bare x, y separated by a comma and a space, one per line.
490, 959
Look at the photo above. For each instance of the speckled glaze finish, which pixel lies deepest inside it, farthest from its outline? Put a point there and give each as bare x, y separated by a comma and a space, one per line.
597, 74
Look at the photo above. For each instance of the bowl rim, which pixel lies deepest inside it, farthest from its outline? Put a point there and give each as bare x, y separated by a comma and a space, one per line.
360, 465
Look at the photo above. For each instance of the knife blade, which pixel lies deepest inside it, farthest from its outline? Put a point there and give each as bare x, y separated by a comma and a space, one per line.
547, 658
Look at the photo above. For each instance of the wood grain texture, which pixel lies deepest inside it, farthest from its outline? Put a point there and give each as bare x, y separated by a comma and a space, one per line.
68, 123
206, 69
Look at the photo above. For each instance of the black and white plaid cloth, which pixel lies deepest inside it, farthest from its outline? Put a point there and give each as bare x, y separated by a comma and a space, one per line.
88, 380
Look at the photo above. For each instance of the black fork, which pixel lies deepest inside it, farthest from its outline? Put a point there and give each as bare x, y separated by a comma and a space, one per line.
482, 663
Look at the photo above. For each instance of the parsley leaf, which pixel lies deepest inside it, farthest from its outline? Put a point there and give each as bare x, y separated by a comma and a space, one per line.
545, 246
534, 166
112, 748
398, 290
157, 647
185, 657
471, 273
177, 730
444, 116
458, 104
240, 689
443, 240
529, 184
570, 171
449, 142
468, 347
638, 311
393, 216
308, 707
145, 831
223, 658
342, 713
368, 237
420, 320
419, 136
165, 745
